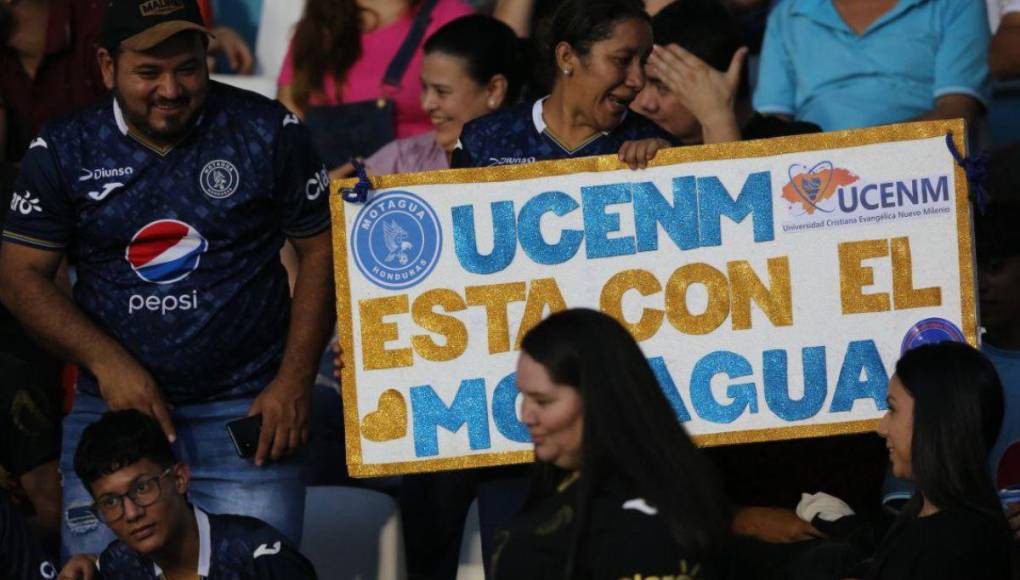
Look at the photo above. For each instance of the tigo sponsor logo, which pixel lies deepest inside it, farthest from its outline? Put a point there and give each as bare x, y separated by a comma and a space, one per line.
25, 203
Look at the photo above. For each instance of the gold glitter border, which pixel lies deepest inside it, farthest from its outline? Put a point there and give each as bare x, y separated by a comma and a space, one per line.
443, 464
345, 329
687, 154
964, 235
786, 433
716, 152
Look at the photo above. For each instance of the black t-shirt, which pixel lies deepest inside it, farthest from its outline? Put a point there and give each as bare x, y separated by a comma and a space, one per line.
21, 555
29, 418
768, 126
624, 538
776, 473
952, 544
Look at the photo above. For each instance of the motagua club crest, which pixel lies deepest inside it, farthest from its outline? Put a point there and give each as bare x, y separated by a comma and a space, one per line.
397, 240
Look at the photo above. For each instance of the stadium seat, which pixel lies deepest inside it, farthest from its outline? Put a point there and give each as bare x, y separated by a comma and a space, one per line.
353, 534
275, 29
470, 565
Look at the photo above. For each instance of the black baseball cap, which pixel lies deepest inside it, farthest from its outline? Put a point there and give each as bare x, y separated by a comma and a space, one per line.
142, 24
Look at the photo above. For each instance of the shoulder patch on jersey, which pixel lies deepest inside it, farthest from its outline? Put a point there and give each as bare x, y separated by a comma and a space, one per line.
291, 119
267, 550
38, 142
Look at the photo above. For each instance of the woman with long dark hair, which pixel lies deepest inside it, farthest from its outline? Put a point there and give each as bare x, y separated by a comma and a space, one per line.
945, 410
622, 491
340, 51
599, 48
473, 66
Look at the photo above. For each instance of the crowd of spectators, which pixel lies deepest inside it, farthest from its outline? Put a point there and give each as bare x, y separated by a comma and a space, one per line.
112, 412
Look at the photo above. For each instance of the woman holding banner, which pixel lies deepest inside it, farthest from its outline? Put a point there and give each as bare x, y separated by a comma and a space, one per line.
473, 66
945, 409
621, 491
599, 48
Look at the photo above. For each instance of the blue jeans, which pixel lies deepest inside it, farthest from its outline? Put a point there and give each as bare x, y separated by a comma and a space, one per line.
221, 482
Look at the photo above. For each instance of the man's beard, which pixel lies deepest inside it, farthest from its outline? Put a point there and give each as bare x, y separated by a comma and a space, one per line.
176, 127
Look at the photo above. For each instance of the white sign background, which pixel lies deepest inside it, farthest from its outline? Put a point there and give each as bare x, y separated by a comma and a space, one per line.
940, 251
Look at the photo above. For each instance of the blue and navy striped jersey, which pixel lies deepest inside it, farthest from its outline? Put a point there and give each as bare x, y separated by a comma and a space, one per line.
177, 252
519, 135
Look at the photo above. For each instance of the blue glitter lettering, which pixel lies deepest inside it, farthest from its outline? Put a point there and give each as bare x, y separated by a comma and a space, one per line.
777, 384
430, 413
529, 228
504, 235
598, 224
504, 410
680, 221
714, 201
668, 387
743, 395
860, 355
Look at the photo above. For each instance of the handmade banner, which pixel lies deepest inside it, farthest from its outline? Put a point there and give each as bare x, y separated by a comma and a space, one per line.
772, 285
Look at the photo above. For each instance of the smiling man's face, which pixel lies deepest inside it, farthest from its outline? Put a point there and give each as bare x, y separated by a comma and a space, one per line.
160, 91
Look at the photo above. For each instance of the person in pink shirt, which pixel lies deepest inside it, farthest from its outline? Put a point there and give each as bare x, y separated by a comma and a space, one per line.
473, 66
340, 51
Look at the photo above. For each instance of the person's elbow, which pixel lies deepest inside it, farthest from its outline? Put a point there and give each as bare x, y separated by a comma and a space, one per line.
1004, 51
958, 106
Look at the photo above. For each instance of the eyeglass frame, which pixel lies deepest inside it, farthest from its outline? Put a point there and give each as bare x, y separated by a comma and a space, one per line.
132, 495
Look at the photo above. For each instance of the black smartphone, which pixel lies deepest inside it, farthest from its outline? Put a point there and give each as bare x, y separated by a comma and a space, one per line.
244, 433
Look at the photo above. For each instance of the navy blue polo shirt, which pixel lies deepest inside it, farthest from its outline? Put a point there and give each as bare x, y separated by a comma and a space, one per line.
519, 135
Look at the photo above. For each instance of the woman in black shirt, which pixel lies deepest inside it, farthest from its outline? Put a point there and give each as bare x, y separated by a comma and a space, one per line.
622, 491
945, 410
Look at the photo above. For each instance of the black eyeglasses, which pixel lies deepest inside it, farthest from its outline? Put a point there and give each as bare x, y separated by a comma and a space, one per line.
144, 492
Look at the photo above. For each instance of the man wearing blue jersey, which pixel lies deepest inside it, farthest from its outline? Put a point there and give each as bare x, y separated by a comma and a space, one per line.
140, 491
173, 197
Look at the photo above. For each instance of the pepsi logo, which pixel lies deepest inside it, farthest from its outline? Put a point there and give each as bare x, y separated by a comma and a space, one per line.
165, 251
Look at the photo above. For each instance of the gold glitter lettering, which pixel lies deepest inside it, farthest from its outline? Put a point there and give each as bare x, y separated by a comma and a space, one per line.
676, 299
541, 293
449, 327
495, 298
904, 294
854, 276
776, 300
375, 333
611, 301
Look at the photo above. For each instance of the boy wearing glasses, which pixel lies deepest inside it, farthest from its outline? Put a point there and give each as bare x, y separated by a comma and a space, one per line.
140, 491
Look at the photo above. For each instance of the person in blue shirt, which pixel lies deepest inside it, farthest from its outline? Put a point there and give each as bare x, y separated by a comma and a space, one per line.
140, 491
600, 48
844, 64
172, 198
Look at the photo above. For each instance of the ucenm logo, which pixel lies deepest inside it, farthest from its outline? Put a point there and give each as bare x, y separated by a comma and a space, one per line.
397, 240
825, 195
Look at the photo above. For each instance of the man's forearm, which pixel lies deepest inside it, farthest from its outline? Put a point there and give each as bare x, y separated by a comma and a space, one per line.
311, 313
56, 321
953, 107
